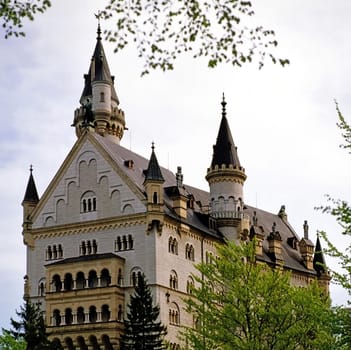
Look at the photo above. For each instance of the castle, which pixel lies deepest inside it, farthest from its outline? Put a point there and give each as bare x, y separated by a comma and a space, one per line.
110, 214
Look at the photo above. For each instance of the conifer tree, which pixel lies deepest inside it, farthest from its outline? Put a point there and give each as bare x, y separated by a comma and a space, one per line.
143, 330
31, 327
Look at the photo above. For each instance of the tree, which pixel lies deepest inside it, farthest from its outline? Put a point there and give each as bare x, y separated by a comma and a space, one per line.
14, 13
31, 327
222, 31
8, 342
240, 303
143, 331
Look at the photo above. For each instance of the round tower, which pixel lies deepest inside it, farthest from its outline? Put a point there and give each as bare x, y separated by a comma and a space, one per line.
99, 111
226, 179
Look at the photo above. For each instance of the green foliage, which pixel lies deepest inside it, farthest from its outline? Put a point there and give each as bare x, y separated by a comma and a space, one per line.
341, 211
143, 331
8, 342
30, 327
219, 30
243, 304
14, 12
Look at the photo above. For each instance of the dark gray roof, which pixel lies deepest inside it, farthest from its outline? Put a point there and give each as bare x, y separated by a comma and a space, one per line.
89, 257
198, 216
98, 71
153, 171
31, 194
224, 151
318, 259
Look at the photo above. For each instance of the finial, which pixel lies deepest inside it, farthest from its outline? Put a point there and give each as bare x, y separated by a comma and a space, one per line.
153, 146
273, 227
98, 16
179, 177
305, 229
223, 103
31, 168
254, 219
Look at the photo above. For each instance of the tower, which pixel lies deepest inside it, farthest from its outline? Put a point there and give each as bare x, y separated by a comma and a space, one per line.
226, 179
99, 111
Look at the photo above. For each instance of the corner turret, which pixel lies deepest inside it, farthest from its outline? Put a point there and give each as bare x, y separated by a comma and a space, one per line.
99, 111
30, 200
226, 179
153, 184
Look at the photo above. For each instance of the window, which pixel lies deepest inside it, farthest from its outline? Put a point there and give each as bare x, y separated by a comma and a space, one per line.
41, 289
102, 97
120, 313
105, 278
68, 316
92, 314
80, 315
173, 280
209, 257
105, 313
120, 277
135, 276
54, 252
125, 242
56, 283
88, 202
56, 318
190, 285
173, 245
68, 282
174, 317
189, 252
88, 247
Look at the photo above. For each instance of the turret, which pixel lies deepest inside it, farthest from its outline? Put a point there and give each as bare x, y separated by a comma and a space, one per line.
99, 111
306, 248
320, 267
226, 179
153, 184
30, 200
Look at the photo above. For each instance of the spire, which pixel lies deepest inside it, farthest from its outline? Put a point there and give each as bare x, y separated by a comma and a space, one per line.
31, 194
318, 259
98, 70
153, 171
224, 151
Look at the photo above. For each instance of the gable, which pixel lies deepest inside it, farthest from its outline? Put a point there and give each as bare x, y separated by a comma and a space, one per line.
88, 186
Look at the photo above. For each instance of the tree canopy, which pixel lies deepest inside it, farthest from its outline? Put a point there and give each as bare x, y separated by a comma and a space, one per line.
239, 303
221, 31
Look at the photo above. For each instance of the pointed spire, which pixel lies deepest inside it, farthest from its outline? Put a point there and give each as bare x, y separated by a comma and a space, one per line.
224, 151
318, 259
153, 171
98, 70
31, 194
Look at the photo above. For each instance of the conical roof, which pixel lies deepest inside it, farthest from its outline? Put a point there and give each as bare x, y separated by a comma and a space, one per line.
224, 151
31, 194
153, 171
98, 70
318, 259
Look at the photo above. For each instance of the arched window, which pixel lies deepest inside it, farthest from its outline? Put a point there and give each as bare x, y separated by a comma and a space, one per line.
80, 280
174, 316
68, 281
154, 198
105, 313
105, 278
88, 202
56, 283
134, 276
92, 314
68, 316
56, 317
189, 252
94, 250
54, 252
120, 277
190, 285
49, 253
80, 315
125, 247
83, 249
41, 288
120, 313
69, 343
130, 241
173, 280
88, 247
92, 279
119, 243
60, 251
173, 245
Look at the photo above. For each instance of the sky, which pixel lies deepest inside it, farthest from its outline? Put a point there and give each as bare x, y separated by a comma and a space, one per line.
283, 120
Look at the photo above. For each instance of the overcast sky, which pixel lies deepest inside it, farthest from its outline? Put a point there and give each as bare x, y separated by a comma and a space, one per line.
283, 120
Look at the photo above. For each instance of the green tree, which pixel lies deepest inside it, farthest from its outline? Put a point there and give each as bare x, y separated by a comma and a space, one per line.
13, 13
8, 342
222, 31
30, 327
243, 304
143, 331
